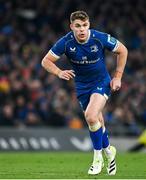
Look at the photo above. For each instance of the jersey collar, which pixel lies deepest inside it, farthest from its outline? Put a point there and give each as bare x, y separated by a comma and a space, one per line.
89, 32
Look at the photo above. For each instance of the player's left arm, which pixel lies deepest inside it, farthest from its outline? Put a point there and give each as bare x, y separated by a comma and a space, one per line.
121, 52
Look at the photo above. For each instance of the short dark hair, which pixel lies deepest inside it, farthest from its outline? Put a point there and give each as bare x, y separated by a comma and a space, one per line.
82, 15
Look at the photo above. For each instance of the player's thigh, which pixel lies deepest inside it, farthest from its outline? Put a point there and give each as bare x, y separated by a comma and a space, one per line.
96, 104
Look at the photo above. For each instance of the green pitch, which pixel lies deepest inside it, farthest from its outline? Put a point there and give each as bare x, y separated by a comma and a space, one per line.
67, 165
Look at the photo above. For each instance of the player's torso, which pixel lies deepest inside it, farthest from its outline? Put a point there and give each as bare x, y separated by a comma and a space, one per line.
84, 54
87, 59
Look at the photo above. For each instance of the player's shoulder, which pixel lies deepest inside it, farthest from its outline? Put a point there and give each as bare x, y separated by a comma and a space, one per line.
67, 37
98, 34
64, 39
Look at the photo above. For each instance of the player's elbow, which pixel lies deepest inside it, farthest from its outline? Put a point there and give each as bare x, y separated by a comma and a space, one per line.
43, 62
122, 50
125, 51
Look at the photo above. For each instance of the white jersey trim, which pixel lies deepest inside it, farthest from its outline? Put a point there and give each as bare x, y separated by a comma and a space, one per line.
53, 54
106, 97
116, 46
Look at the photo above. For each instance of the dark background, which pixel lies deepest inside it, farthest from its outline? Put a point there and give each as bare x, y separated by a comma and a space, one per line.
31, 97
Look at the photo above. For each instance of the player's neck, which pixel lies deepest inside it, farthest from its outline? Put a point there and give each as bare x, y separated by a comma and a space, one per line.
86, 40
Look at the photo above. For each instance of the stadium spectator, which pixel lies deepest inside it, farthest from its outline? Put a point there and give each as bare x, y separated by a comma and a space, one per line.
27, 31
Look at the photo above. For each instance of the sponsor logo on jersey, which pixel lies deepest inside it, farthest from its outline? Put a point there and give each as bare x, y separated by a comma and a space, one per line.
84, 61
73, 49
111, 40
99, 88
84, 58
94, 48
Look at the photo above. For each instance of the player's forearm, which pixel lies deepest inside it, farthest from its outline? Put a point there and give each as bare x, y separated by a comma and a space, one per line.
121, 62
50, 66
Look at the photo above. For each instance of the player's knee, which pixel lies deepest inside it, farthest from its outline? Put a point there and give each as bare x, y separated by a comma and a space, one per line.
94, 127
91, 118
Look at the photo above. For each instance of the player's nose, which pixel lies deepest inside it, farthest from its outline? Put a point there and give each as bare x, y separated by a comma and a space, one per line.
82, 28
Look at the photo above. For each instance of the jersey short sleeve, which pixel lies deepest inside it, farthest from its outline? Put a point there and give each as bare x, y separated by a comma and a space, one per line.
59, 48
108, 41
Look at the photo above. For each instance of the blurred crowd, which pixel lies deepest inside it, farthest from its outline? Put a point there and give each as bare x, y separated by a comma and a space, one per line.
29, 96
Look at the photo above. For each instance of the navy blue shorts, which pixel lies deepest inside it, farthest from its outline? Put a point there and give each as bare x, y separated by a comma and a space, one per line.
84, 95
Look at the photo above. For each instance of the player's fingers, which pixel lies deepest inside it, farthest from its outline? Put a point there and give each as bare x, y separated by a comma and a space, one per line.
113, 87
65, 78
67, 74
71, 72
116, 87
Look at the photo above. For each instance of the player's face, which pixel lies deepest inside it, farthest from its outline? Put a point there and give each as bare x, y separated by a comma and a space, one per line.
80, 29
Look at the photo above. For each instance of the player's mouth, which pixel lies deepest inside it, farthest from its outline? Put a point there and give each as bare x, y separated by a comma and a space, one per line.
82, 35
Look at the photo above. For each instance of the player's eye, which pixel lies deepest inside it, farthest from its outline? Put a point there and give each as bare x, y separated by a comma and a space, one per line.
77, 25
85, 25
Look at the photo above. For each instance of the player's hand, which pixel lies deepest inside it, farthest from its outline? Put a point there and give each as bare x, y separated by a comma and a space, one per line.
66, 74
115, 84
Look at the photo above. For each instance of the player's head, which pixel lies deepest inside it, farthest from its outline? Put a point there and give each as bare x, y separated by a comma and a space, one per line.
79, 24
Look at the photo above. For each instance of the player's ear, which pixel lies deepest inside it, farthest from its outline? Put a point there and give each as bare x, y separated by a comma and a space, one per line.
71, 26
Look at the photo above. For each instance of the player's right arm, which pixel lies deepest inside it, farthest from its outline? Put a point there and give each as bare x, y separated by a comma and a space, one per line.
49, 65
52, 56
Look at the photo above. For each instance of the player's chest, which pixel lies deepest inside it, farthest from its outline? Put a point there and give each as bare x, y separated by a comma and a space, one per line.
84, 52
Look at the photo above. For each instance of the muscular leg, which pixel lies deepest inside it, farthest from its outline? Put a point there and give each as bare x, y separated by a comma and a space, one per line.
92, 115
93, 118
94, 108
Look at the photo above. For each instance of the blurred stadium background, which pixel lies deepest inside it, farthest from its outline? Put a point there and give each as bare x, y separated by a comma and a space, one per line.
38, 111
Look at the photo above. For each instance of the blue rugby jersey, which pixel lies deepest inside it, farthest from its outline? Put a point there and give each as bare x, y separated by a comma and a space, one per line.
87, 59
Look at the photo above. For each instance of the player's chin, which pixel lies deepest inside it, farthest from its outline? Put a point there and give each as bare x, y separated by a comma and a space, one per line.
82, 40
82, 37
